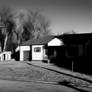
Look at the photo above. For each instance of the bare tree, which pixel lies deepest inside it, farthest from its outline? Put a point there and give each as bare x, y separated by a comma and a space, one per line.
41, 24
22, 25
6, 20
30, 24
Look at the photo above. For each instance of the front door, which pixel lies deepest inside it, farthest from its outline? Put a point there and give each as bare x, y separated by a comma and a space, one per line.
26, 55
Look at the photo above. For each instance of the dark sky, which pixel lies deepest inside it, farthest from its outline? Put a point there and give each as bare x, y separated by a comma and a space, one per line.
65, 15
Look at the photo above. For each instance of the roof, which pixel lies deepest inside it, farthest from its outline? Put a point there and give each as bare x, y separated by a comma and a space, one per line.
40, 41
75, 39
68, 39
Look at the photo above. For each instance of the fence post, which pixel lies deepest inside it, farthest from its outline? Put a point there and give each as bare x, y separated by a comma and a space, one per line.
72, 66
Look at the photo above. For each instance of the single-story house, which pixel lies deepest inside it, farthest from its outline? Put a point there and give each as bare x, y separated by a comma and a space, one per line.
78, 49
37, 49
77, 45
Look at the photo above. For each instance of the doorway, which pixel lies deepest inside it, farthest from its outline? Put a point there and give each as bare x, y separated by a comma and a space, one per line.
4, 57
27, 56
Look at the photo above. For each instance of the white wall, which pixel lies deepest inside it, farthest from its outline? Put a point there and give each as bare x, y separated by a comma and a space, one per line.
7, 56
22, 49
37, 55
55, 42
1, 57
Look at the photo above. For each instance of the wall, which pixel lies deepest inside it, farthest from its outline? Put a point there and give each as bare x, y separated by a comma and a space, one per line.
22, 49
37, 55
55, 42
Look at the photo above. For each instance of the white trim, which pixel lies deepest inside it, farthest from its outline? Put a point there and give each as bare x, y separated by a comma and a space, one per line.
17, 49
22, 49
55, 42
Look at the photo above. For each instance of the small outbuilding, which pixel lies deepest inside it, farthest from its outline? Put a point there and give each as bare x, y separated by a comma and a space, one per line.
37, 49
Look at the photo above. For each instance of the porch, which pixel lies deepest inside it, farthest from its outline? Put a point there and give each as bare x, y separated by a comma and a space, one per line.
5, 56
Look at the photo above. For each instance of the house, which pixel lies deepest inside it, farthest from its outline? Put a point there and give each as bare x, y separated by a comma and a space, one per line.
77, 45
61, 49
38, 49
78, 49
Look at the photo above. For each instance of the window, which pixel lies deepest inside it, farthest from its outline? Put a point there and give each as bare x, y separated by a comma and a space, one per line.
37, 49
